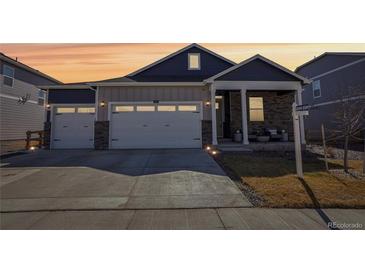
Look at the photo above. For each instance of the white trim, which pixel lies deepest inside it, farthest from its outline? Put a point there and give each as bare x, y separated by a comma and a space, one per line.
301, 119
245, 140
338, 101
17, 99
199, 65
337, 69
257, 85
65, 87
178, 52
147, 84
258, 56
213, 114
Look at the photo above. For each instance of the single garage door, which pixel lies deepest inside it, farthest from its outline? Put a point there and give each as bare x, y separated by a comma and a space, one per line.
73, 127
155, 126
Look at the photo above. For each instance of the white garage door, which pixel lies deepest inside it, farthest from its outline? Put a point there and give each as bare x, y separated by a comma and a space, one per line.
73, 127
155, 126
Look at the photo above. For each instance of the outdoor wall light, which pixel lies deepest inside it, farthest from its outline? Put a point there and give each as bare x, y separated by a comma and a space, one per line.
207, 103
102, 104
48, 106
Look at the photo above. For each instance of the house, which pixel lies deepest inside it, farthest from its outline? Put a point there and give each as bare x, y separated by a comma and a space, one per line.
335, 76
188, 99
22, 102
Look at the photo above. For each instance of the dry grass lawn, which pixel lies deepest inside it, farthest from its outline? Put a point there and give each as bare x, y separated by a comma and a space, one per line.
273, 179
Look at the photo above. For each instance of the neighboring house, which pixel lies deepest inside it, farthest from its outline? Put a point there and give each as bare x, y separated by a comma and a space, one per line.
335, 76
188, 99
22, 102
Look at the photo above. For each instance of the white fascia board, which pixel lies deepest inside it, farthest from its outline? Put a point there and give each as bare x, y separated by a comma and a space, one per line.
65, 87
147, 84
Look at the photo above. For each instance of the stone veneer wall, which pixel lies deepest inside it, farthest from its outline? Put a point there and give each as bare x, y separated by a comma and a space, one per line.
206, 132
101, 135
47, 135
236, 112
277, 111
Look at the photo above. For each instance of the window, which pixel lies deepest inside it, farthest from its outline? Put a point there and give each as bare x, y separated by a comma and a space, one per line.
194, 61
145, 108
166, 108
65, 110
124, 108
256, 105
187, 108
86, 110
316, 89
41, 97
8, 75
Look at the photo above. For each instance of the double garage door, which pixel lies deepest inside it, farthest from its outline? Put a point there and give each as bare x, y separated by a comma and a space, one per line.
167, 125
73, 127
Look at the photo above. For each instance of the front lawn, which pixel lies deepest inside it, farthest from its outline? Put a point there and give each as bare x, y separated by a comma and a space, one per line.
272, 178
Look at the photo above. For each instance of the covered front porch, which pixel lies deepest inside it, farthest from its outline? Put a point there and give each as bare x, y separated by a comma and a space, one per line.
253, 106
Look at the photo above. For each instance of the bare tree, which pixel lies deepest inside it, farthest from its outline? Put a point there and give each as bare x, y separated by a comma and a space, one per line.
349, 117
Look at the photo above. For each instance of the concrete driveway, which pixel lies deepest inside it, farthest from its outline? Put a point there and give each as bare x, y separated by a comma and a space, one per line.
124, 179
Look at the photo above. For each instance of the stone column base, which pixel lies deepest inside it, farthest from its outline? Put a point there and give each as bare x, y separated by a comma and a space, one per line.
101, 135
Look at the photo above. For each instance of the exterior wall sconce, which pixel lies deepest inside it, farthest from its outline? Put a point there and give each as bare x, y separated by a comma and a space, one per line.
102, 104
207, 103
48, 106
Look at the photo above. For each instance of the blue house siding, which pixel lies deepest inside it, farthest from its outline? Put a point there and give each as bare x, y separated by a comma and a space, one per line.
27, 76
71, 96
175, 69
327, 63
349, 81
334, 84
257, 70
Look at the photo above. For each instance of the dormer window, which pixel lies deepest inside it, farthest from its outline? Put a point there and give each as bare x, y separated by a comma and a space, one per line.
194, 61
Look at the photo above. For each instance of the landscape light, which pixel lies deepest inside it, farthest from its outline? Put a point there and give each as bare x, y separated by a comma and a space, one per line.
32, 148
208, 148
214, 152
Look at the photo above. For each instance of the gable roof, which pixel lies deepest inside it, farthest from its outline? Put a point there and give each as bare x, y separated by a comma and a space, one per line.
361, 54
258, 57
27, 68
178, 52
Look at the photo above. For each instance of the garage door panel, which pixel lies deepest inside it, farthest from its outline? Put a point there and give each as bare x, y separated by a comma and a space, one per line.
158, 129
73, 130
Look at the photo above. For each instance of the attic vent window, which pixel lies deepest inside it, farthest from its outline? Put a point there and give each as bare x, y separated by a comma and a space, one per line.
194, 61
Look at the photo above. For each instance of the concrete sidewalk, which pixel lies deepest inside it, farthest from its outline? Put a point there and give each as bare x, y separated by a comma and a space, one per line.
221, 218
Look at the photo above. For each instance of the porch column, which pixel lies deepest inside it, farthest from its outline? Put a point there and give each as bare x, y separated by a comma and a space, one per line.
301, 120
214, 115
244, 117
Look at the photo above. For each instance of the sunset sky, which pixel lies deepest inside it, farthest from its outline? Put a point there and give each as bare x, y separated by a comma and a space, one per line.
88, 62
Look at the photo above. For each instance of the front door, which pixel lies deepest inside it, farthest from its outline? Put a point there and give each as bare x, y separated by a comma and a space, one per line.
219, 107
